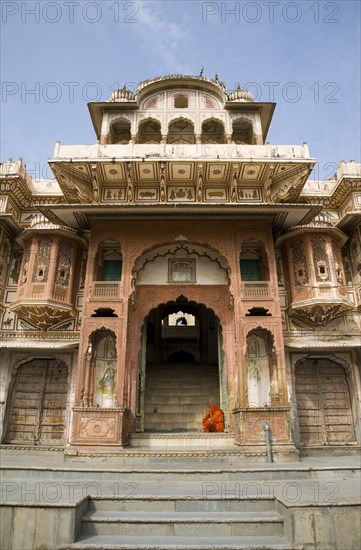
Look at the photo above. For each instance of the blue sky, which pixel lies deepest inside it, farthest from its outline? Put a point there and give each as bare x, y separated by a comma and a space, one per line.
58, 55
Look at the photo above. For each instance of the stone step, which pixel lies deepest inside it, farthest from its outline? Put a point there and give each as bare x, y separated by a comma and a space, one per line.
184, 441
165, 415
171, 426
175, 399
181, 505
193, 389
182, 523
150, 542
188, 408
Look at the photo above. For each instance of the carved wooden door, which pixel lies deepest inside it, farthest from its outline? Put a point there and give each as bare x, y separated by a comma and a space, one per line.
37, 412
323, 403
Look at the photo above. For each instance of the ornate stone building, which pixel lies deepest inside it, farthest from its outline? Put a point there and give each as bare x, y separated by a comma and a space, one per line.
180, 260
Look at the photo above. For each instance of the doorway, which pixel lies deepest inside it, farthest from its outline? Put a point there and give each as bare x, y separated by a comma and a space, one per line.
37, 410
323, 403
181, 368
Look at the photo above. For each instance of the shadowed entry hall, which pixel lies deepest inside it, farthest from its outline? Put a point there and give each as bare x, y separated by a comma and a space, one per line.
180, 371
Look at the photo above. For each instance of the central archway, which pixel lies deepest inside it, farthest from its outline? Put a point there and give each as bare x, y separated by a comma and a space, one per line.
181, 368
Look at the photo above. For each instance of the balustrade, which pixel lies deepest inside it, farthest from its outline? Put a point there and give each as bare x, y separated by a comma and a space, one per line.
105, 290
255, 289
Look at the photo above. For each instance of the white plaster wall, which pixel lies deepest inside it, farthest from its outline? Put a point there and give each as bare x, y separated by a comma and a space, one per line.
208, 272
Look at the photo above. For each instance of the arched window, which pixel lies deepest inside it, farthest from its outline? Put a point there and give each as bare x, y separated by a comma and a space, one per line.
181, 131
243, 132
213, 132
180, 102
119, 132
149, 131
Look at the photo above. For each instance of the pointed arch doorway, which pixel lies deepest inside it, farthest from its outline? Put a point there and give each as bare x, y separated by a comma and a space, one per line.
181, 368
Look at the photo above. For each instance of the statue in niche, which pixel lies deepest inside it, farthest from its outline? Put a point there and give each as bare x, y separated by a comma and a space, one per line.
107, 382
105, 372
258, 373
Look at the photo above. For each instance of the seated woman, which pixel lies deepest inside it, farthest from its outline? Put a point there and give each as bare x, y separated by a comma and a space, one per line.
213, 420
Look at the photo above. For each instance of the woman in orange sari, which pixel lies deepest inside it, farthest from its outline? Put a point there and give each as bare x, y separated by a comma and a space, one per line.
213, 420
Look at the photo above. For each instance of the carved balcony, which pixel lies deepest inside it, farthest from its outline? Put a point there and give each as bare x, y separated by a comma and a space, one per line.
321, 306
256, 290
105, 291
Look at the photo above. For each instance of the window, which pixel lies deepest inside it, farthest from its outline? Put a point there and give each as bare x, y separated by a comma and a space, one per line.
112, 270
250, 270
182, 270
180, 102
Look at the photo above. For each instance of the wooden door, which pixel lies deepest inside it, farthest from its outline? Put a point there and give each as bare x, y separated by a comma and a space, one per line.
323, 403
37, 412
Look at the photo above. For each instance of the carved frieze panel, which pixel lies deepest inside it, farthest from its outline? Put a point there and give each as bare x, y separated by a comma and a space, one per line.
94, 426
112, 173
217, 172
146, 194
247, 194
251, 421
146, 172
215, 194
181, 172
181, 194
114, 194
252, 172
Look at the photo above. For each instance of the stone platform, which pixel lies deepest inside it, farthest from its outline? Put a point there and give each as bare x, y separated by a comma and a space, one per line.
53, 502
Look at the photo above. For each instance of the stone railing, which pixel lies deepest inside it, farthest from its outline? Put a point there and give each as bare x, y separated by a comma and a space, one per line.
170, 151
57, 337
105, 290
255, 290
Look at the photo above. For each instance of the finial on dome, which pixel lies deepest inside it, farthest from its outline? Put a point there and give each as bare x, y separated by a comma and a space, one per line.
240, 94
201, 73
122, 95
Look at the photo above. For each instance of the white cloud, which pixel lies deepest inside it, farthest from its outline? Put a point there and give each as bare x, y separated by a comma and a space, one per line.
166, 39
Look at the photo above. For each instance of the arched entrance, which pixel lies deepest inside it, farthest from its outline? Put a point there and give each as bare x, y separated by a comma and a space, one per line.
323, 402
181, 367
36, 413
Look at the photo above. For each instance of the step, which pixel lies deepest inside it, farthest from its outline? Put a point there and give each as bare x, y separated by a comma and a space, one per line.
191, 389
165, 416
184, 441
182, 523
149, 542
185, 408
182, 399
181, 505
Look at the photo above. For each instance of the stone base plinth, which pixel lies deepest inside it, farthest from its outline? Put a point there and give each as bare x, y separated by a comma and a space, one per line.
249, 424
95, 426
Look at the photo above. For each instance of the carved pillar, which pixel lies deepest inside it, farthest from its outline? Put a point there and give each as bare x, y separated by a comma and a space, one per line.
203, 333
157, 335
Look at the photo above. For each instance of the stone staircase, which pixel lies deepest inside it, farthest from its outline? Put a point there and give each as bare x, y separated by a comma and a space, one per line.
158, 503
182, 523
178, 396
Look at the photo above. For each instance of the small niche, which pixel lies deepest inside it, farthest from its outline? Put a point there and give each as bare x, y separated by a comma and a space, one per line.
258, 312
104, 312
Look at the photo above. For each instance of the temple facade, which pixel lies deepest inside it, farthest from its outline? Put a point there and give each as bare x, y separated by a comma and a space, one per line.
178, 261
